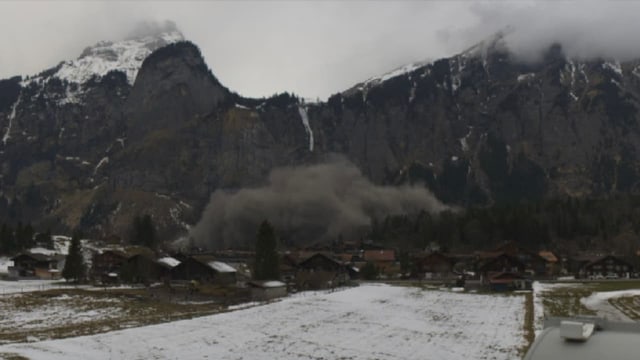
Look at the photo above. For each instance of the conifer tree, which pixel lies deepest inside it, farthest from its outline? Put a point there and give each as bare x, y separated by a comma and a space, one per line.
74, 267
266, 265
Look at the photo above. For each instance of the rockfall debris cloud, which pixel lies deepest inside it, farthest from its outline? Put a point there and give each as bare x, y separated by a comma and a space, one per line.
306, 205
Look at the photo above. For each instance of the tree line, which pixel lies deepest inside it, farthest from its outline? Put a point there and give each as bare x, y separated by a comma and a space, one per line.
14, 239
611, 224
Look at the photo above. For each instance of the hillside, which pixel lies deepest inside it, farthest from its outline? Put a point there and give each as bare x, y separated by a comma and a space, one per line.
143, 125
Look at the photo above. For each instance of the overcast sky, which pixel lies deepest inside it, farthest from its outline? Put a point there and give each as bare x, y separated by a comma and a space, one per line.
315, 48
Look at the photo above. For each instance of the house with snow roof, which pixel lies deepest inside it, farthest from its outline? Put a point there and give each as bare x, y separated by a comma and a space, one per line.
206, 269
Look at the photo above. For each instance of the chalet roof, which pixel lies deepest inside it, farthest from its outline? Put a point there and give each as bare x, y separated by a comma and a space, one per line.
603, 258
267, 284
322, 255
548, 256
213, 263
379, 255
484, 262
36, 257
221, 267
129, 251
168, 262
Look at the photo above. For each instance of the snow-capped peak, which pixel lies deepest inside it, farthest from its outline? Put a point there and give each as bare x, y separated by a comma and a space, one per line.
126, 56
105, 56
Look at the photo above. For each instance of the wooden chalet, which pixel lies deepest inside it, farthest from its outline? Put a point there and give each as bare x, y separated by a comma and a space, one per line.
321, 271
383, 259
498, 263
534, 264
435, 265
206, 269
141, 269
106, 265
30, 265
607, 266
552, 262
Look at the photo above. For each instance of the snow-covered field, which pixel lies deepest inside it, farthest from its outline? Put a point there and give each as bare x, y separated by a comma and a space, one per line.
367, 322
22, 312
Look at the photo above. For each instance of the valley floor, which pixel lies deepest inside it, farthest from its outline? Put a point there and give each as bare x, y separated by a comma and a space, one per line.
366, 322
372, 321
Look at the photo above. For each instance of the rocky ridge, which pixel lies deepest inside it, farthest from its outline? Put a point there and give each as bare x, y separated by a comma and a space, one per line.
144, 126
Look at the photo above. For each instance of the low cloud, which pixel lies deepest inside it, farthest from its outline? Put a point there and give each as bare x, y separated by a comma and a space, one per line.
585, 29
307, 205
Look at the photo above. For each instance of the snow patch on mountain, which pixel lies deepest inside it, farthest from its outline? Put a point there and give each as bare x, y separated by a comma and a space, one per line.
613, 66
526, 77
104, 160
305, 121
12, 116
98, 60
126, 56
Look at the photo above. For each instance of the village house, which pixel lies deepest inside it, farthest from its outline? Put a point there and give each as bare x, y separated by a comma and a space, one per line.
206, 269
575, 263
105, 265
383, 259
29, 265
141, 269
533, 263
552, 262
489, 265
321, 271
606, 267
435, 265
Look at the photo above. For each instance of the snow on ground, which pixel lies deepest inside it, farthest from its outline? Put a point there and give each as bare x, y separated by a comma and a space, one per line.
538, 306
63, 310
599, 302
367, 322
12, 287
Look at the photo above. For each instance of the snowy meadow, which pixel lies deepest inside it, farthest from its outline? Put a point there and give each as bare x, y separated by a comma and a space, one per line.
366, 322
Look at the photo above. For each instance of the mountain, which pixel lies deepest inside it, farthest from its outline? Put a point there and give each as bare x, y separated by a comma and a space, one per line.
143, 126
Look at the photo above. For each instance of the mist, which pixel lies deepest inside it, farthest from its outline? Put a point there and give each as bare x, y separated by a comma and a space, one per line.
316, 49
585, 29
307, 205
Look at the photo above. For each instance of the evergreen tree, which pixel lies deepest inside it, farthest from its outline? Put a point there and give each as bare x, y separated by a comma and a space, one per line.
7, 243
144, 232
267, 264
74, 267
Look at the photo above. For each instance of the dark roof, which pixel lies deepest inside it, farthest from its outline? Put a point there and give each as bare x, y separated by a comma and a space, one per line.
603, 258
324, 256
37, 257
379, 255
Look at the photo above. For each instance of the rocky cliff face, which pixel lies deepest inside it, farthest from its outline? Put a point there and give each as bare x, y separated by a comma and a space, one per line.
144, 126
